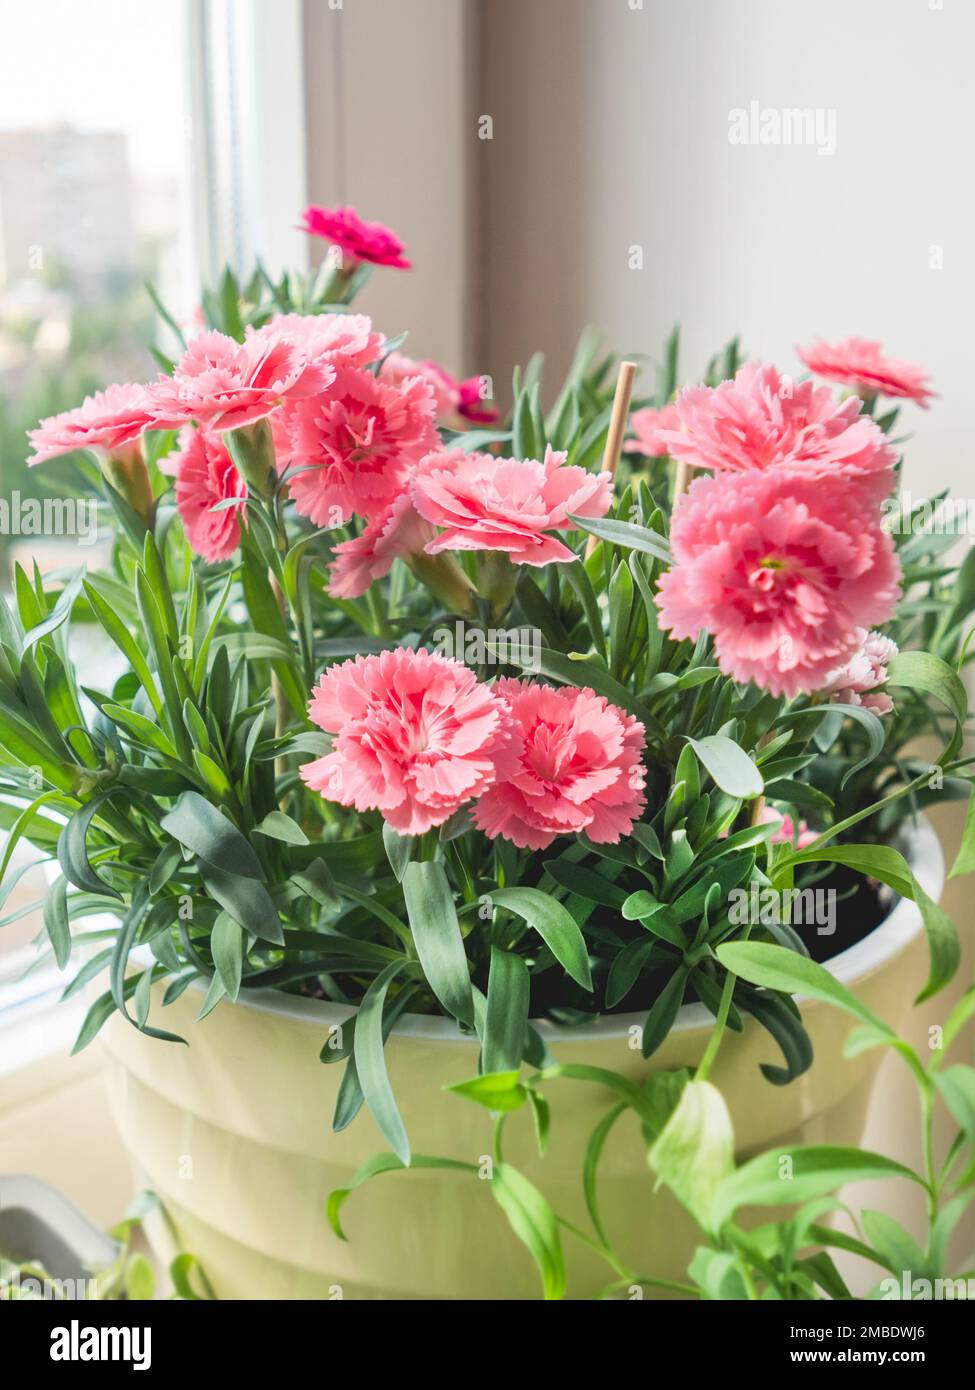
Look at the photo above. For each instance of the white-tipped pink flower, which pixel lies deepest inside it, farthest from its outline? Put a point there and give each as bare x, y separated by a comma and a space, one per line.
222, 384
416, 736
513, 505
862, 365
579, 769
105, 423
353, 448
763, 420
856, 682
396, 533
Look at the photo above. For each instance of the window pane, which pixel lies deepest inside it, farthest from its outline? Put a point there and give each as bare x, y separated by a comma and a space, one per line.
94, 200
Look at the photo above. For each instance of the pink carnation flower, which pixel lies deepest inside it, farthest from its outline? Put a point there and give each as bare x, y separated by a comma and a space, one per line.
788, 833
763, 420
453, 397
205, 475
360, 241
489, 503
394, 534
471, 404
221, 383
855, 683
579, 769
355, 447
398, 369
106, 422
782, 570
325, 338
647, 425
861, 364
416, 736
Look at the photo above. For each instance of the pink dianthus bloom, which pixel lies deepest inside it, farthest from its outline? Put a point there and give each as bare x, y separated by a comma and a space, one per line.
360, 241
762, 420
397, 368
472, 402
861, 365
782, 570
489, 503
104, 423
416, 737
354, 447
579, 769
800, 837
224, 384
328, 338
647, 424
393, 534
453, 397
205, 475
856, 682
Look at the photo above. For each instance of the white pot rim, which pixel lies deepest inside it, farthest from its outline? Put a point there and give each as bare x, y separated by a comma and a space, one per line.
922, 849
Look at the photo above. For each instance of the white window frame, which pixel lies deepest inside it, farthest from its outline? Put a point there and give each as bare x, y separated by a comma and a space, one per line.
248, 146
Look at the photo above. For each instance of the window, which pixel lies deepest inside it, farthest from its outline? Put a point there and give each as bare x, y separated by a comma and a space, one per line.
137, 143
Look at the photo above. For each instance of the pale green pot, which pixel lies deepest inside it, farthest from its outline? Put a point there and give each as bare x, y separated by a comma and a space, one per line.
234, 1134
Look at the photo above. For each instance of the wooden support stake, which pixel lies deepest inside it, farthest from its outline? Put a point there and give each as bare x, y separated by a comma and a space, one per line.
617, 426
680, 482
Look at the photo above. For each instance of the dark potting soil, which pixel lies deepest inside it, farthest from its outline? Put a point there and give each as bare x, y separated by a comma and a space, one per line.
844, 919
858, 907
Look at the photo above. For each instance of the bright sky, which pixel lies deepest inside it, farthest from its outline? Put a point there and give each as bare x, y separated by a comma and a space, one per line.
98, 65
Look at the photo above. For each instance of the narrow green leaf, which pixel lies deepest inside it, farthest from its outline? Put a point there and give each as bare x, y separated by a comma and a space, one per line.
370, 1062
775, 967
436, 932
781, 1177
506, 1019
554, 924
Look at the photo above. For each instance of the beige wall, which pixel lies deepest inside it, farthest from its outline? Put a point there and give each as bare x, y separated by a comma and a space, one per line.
391, 122
611, 129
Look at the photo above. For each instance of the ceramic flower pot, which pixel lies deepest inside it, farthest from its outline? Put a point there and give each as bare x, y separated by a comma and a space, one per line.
234, 1134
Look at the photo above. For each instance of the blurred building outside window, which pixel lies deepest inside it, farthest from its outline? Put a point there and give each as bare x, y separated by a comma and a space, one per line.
134, 147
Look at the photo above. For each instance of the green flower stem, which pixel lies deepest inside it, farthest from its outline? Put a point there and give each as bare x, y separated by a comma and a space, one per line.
496, 579
126, 472
717, 1032
379, 623
252, 450
445, 579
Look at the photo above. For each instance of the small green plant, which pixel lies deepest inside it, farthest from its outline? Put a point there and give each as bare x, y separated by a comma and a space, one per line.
129, 1277
685, 1123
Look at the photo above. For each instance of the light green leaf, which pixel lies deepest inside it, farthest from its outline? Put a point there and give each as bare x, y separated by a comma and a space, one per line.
277, 826
695, 1152
782, 1177
944, 948
557, 928
775, 967
729, 765
499, 1090
384, 1163
533, 1222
